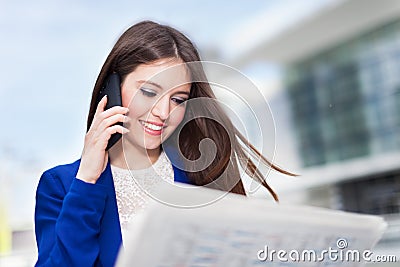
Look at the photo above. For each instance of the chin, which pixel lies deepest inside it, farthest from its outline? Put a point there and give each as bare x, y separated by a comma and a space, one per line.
151, 146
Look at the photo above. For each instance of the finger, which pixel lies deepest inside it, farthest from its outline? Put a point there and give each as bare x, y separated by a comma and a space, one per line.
98, 120
114, 110
102, 104
106, 135
101, 139
112, 120
99, 109
116, 129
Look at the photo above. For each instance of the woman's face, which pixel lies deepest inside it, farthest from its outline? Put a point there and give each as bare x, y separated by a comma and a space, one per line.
155, 95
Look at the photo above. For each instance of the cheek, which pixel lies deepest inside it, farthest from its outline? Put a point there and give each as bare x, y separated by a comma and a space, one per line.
126, 97
136, 104
176, 116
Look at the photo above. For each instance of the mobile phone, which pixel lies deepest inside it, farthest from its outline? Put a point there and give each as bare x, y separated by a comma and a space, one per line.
112, 88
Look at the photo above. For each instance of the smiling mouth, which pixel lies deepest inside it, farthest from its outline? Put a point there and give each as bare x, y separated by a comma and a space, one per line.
152, 127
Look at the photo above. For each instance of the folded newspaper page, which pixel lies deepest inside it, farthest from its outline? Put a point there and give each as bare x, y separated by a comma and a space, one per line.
195, 226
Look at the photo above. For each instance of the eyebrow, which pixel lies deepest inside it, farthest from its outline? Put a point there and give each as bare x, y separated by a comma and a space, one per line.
150, 82
160, 87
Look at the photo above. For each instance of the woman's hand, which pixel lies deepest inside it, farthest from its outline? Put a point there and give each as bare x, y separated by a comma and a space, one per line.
94, 155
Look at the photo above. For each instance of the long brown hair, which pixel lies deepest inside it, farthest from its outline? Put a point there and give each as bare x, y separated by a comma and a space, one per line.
148, 41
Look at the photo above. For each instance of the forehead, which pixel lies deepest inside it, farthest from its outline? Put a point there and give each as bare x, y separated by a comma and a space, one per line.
168, 73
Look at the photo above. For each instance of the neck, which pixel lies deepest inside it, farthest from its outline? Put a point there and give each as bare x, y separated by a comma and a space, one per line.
131, 157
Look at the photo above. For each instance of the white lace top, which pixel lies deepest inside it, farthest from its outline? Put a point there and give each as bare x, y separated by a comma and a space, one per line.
133, 186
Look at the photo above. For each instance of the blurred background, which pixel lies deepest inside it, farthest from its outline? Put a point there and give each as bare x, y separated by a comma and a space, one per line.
329, 69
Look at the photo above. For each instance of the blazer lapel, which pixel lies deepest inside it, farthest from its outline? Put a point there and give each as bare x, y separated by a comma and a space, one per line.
110, 238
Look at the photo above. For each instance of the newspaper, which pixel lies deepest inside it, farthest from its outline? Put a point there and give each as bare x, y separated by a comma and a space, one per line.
199, 227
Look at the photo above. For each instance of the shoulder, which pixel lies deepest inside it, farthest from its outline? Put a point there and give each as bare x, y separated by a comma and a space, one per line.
176, 159
180, 175
64, 170
59, 177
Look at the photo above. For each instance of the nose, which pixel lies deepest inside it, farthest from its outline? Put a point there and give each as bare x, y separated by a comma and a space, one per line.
161, 108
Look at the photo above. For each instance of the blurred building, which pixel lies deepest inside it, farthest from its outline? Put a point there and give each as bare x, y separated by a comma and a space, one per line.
18, 172
342, 83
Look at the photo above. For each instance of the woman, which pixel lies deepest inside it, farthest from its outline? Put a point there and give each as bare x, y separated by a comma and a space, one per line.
82, 208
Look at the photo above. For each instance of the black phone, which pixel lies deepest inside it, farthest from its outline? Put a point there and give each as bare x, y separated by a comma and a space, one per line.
112, 88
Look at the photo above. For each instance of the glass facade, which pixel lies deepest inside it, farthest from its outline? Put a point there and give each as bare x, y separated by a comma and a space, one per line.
345, 104
378, 194
345, 101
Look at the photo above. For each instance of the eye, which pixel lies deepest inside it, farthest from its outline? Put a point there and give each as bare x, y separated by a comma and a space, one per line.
178, 100
148, 92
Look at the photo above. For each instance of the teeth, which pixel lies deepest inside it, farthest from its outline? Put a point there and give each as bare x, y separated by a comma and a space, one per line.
151, 126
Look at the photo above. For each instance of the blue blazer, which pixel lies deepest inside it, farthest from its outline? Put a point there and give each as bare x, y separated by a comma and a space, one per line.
77, 223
